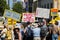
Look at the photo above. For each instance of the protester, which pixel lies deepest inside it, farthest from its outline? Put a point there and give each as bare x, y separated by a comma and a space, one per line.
3, 33
54, 35
20, 36
0, 32
55, 31
22, 30
44, 30
49, 35
36, 32
17, 34
55, 26
31, 31
28, 32
9, 33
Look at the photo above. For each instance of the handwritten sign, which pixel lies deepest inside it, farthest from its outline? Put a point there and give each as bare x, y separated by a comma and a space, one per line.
42, 12
12, 15
28, 17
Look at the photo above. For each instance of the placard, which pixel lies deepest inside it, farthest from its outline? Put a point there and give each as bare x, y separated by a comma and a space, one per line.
28, 17
42, 12
13, 15
54, 12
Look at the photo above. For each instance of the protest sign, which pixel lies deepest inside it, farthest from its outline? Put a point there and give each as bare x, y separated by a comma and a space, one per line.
13, 15
42, 12
28, 17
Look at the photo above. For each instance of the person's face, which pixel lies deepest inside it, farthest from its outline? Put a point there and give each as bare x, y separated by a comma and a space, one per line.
21, 26
30, 24
17, 31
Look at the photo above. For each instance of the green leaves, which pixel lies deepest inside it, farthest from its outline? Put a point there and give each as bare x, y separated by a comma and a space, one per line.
18, 7
3, 6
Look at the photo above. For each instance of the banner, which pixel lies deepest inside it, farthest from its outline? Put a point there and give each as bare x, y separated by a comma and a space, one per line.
28, 17
42, 12
12, 15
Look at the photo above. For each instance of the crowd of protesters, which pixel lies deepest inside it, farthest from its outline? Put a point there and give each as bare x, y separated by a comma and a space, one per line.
31, 31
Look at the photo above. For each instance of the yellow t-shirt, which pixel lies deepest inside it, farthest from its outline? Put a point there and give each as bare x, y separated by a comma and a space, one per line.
9, 34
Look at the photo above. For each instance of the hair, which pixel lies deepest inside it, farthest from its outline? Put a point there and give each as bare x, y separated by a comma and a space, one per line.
4, 26
56, 22
28, 23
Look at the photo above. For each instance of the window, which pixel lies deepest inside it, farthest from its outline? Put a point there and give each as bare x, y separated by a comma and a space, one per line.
44, 5
48, 5
51, 5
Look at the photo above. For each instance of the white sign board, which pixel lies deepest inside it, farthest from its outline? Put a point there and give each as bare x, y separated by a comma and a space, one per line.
12, 15
42, 13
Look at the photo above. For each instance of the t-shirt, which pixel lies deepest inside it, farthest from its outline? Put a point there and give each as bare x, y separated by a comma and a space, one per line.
9, 34
36, 32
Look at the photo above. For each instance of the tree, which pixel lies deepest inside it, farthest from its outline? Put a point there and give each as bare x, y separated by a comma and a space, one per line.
18, 7
3, 6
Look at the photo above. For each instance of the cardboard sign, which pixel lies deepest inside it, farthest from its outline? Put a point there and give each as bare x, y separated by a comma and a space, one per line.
42, 12
54, 12
12, 15
28, 17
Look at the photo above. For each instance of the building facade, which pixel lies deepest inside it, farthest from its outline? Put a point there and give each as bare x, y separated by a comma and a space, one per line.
45, 4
